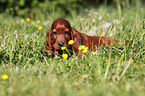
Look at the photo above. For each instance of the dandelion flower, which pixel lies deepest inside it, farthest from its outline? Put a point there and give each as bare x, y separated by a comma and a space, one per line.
27, 19
65, 56
69, 65
13, 23
103, 33
21, 45
94, 53
32, 23
39, 28
81, 47
22, 20
71, 42
4, 76
86, 48
85, 51
63, 48
37, 42
38, 21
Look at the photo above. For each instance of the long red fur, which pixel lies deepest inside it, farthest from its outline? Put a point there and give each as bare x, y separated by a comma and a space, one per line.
61, 26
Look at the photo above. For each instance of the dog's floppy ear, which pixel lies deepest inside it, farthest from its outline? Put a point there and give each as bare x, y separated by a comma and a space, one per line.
76, 36
48, 45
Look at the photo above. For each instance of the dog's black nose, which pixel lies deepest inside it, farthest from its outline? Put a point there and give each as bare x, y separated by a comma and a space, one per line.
60, 44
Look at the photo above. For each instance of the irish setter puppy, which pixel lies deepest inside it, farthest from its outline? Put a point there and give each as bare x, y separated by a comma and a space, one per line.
61, 32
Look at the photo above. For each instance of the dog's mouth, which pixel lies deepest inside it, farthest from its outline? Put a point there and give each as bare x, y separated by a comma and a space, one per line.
66, 51
58, 48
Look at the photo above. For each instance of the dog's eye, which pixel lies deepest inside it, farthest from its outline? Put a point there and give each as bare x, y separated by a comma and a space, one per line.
55, 33
66, 32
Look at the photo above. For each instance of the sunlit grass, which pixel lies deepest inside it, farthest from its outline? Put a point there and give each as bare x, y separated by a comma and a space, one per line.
28, 73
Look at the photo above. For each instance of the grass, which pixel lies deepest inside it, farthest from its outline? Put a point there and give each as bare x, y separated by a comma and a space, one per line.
100, 74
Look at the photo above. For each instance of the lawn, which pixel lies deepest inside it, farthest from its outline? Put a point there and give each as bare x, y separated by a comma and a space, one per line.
119, 72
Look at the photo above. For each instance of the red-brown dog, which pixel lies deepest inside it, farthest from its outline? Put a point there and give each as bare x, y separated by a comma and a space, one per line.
61, 32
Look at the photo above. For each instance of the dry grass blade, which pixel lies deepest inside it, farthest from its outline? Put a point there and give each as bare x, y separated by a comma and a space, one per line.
127, 66
108, 62
2, 63
39, 53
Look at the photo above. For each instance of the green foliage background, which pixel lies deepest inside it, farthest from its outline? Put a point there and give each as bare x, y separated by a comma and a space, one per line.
33, 7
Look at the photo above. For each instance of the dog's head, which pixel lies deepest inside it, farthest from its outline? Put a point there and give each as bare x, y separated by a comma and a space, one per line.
58, 36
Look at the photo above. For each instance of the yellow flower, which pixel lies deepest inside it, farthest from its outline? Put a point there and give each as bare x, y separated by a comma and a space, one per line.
27, 19
22, 20
39, 28
103, 41
81, 47
64, 56
38, 21
96, 47
71, 42
94, 53
103, 33
86, 48
10, 32
21, 45
63, 48
85, 51
4, 76
37, 42
32, 23
69, 65
13, 23
59, 59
